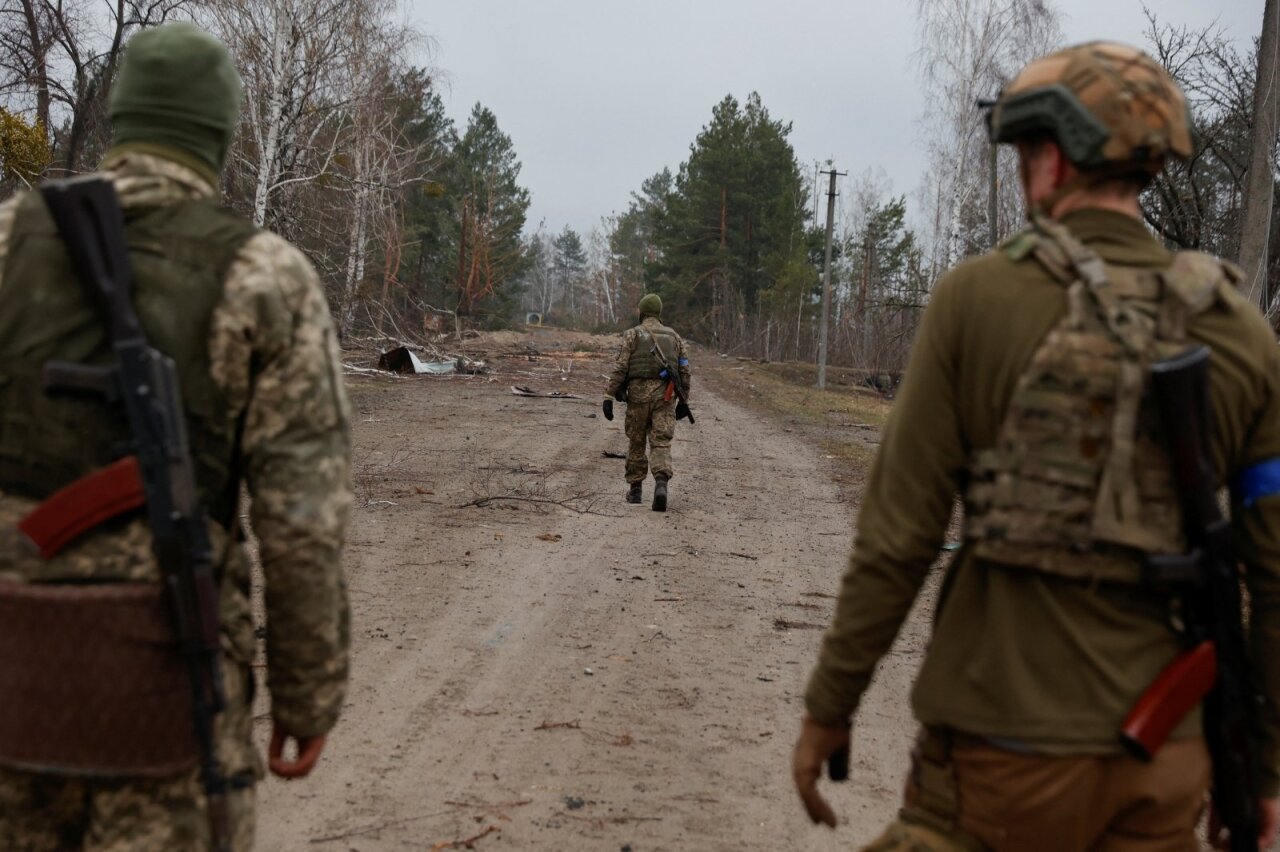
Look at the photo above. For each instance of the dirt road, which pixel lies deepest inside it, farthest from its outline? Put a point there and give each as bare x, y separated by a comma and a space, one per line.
590, 675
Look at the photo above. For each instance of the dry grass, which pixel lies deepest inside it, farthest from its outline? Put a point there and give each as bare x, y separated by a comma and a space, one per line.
845, 419
788, 390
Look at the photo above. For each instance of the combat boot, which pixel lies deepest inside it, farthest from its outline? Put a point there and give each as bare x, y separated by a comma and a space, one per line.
634, 495
660, 494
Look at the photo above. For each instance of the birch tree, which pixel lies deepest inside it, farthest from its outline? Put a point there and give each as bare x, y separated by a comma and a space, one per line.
968, 50
378, 158
291, 55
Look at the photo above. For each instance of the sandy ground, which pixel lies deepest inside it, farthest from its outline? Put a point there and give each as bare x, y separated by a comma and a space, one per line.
582, 673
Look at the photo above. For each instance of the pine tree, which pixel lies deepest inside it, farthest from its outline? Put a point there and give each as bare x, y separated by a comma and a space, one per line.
570, 267
491, 207
733, 223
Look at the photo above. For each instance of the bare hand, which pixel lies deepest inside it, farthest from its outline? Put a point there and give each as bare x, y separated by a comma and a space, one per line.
1268, 822
816, 744
309, 749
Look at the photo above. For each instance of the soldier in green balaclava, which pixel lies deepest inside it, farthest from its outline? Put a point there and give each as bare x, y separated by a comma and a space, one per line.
242, 314
642, 377
178, 97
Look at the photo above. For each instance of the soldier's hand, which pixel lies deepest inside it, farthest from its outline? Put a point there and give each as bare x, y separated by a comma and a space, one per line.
816, 743
1268, 823
309, 749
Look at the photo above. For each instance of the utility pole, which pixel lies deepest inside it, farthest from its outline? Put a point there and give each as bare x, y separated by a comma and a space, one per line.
1259, 193
826, 281
993, 198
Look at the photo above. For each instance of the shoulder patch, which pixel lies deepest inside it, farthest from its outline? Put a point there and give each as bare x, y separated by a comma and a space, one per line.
1196, 279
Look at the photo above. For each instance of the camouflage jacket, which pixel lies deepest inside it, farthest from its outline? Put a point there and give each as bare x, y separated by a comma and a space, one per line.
273, 353
644, 390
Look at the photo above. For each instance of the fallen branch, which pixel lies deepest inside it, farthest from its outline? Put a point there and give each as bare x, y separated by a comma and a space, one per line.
783, 624
566, 503
368, 371
376, 827
486, 806
575, 725
466, 842
615, 820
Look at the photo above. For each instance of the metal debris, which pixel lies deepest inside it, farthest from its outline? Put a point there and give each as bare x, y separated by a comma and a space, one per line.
520, 390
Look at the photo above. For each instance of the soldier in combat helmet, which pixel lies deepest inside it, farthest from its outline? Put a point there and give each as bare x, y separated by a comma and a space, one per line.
651, 403
243, 316
1026, 395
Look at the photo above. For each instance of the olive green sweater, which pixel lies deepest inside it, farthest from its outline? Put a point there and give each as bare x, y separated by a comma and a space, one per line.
1015, 654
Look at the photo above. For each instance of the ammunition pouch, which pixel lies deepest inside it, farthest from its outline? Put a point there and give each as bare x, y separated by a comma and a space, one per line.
104, 690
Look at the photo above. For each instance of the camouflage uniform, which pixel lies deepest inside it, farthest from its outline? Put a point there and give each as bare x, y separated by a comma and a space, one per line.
651, 418
273, 353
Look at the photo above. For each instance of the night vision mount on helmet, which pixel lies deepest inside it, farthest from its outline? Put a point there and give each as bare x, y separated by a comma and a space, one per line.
1106, 105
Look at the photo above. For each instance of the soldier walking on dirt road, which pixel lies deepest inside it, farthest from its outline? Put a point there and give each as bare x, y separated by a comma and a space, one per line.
113, 735
1030, 392
640, 378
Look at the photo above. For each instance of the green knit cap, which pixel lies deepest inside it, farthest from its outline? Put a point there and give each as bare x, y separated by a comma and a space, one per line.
651, 305
177, 95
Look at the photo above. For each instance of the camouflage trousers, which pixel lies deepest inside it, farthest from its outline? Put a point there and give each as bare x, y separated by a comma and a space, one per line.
966, 795
654, 424
51, 813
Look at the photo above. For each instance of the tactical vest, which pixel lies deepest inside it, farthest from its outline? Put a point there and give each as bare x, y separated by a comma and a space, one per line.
1079, 483
181, 254
643, 364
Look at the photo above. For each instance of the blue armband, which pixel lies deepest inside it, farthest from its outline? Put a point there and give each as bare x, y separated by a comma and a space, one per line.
1258, 482
684, 362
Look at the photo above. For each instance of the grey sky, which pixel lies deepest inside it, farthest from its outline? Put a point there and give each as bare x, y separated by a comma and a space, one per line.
597, 94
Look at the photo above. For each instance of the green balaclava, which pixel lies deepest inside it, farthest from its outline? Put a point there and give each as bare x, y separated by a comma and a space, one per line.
177, 96
651, 306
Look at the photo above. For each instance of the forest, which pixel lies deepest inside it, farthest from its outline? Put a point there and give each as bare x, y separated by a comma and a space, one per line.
419, 225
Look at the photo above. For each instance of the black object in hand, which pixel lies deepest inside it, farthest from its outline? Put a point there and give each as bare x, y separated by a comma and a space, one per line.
838, 764
608, 409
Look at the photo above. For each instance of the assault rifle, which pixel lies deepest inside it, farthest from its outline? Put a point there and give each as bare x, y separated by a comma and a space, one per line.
1214, 669
159, 474
672, 375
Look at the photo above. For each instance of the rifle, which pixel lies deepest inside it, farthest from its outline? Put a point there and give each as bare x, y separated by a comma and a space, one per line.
1214, 669
90, 221
673, 383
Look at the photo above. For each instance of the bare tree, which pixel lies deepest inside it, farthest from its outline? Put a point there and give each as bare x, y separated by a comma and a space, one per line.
59, 57
291, 54
968, 50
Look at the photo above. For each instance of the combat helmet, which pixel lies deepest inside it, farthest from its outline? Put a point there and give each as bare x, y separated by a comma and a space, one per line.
1110, 107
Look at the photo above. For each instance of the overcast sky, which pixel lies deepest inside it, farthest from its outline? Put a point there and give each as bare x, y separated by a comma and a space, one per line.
597, 95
